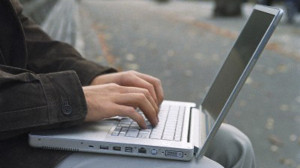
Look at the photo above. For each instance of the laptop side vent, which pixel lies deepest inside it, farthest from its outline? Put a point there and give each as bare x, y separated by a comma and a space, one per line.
60, 148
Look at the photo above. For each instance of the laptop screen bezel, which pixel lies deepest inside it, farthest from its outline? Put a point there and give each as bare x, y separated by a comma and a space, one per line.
277, 14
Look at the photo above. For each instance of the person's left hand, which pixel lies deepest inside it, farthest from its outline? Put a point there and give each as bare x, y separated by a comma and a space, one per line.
134, 79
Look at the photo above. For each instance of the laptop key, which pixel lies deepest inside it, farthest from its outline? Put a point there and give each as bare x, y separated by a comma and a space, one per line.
145, 131
123, 131
124, 125
157, 131
169, 127
168, 137
115, 133
134, 127
133, 124
177, 137
118, 128
132, 133
144, 135
179, 125
155, 136
164, 108
149, 127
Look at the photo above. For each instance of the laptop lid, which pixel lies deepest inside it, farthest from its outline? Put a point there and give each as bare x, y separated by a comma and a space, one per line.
238, 66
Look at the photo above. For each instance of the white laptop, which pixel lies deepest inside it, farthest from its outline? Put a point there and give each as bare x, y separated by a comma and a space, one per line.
184, 131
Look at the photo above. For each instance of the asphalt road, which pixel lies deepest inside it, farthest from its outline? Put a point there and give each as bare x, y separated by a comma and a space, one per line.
181, 44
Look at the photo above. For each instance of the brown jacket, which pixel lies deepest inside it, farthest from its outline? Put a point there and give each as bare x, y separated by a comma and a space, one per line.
40, 87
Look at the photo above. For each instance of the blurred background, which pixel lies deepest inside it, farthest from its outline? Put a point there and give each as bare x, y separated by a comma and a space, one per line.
184, 43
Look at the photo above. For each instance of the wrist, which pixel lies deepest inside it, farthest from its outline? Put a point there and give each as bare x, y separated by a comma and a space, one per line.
97, 80
104, 79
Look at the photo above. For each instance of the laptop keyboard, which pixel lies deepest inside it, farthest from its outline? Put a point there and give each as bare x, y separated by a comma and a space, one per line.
169, 126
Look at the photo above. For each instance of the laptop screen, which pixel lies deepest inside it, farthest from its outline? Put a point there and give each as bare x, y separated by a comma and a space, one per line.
236, 62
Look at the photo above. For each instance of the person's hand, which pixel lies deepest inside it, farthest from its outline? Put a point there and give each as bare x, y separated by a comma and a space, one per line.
109, 100
134, 79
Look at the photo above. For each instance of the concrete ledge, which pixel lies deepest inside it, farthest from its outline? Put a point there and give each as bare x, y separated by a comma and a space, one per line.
62, 23
37, 9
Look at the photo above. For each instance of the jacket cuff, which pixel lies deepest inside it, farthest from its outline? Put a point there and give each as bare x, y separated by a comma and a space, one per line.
65, 98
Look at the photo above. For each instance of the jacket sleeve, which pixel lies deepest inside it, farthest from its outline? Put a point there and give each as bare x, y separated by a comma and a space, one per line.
32, 101
46, 55
49, 94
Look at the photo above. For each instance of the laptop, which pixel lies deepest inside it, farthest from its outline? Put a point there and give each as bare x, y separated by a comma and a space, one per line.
184, 130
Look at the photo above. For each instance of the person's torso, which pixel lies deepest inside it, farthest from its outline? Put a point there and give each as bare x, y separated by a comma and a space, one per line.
12, 46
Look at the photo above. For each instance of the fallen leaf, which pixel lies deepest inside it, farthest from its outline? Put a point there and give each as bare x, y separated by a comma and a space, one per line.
274, 140
284, 107
293, 137
274, 148
270, 124
287, 162
282, 68
132, 66
249, 81
171, 53
130, 57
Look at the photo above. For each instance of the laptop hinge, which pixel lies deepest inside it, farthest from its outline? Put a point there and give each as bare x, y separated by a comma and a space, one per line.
195, 136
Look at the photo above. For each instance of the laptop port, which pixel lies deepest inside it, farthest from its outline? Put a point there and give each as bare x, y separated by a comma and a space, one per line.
142, 150
91, 146
104, 147
154, 151
128, 149
117, 148
177, 154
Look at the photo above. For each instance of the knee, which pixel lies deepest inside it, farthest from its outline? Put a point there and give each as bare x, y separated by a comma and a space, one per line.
234, 136
232, 148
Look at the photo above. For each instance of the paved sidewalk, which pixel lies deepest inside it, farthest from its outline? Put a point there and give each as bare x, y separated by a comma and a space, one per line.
286, 38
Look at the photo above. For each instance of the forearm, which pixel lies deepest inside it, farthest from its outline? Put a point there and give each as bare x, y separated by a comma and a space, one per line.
39, 101
54, 56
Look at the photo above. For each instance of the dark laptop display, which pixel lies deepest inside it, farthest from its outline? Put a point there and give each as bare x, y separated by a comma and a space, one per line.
239, 57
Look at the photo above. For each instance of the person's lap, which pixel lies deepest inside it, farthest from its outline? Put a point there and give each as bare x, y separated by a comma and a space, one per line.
83, 160
230, 147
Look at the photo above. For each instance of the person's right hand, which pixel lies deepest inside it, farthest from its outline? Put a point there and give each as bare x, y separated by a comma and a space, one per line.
109, 100
133, 79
